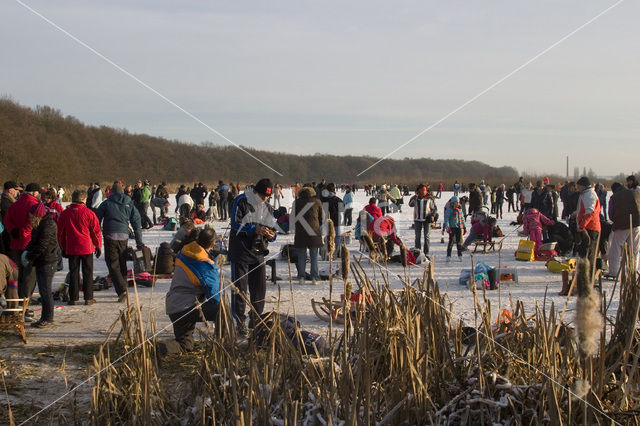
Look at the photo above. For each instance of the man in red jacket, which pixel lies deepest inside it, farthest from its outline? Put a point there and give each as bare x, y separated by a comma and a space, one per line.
18, 225
79, 237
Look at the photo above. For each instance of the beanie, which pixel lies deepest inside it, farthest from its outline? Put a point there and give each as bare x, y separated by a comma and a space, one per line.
584, 181
38, 210
264, 186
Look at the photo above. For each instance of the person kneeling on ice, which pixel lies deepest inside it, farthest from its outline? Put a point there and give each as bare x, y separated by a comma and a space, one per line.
194, 295
385, 228
482, 228
454, 225
532, 226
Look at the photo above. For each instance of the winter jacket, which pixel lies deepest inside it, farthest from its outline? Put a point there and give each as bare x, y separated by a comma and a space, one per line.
622, 204
588, 213
533, 220
333, 206
453, 218
307, 215
96, 199
162, 192
79, 230
5, 202
145, 194
17, 217
395, 193
248, 212
482, 229
115, 214
43, 247
384, 227
475, 200
373, 210
422, 208
8, 278
195, 279
541, 199
348, 200
526, 195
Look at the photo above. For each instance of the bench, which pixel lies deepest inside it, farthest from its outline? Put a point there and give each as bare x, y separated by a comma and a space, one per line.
14, 317
487, 246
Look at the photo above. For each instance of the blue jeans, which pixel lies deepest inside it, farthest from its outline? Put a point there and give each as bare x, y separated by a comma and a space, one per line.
471, 238
44, 277
422, 227
301, 253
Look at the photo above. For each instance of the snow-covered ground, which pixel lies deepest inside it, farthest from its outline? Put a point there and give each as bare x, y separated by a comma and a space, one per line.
83, 324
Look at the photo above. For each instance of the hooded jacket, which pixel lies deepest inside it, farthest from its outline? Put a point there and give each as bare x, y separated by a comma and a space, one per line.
115, 214
588, 213
195, 278
79, 230
248, 212
17, 217
307, 215
623, 204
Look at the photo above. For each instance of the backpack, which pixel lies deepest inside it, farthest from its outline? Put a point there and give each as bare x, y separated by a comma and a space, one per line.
170, 225
164, 261
141, 259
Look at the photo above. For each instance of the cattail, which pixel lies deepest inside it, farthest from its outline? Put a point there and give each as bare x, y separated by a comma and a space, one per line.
403, 255
346, 262
370, 244
331, 238
588, 317
580, 389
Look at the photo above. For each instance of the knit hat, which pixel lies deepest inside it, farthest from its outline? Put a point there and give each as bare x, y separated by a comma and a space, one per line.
584, 181
10, 184
264, 186
33, 187
454, 199
38, 210
545, 180
116, 187
616, 186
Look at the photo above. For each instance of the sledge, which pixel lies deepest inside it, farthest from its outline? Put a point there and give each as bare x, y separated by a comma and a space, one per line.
328, 311
487, 246
14, 317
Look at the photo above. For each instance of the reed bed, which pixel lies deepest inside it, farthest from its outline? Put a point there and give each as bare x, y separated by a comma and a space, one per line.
401, 358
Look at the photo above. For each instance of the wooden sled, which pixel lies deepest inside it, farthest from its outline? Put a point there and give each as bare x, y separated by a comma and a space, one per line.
328, 311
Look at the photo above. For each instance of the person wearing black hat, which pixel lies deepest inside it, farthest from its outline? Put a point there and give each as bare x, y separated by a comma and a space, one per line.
252, 228
587, 218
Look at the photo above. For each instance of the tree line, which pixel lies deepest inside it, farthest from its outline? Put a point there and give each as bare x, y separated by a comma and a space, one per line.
41, 144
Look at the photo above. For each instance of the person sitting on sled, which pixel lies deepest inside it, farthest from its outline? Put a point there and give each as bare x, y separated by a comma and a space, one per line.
532, 222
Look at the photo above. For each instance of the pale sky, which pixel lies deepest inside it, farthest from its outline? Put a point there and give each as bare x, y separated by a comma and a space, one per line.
359, 77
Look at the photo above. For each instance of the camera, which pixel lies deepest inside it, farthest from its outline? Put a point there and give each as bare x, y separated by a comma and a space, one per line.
259, 244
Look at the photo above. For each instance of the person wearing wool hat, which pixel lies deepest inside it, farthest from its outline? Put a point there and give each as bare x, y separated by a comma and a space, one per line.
42, 253
587, 217
252, 228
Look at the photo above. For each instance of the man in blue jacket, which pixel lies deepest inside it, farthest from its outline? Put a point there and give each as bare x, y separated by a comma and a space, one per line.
195, 281
115, 214
252, 227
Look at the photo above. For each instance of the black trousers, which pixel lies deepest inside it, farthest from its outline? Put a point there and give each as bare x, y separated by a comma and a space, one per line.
455, 237
348, 217
86, 260
249, 277
184, 324
589, 245
115, 254
44, 274
26, 275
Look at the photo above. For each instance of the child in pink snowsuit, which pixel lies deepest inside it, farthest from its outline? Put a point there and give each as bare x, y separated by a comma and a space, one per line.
532, 225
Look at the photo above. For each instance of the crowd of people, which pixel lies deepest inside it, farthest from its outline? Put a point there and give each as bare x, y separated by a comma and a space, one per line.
37, 233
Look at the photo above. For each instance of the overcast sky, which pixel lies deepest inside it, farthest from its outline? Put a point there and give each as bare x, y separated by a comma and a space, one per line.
344, 77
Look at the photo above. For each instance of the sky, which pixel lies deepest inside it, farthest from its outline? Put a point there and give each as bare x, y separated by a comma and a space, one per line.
358, 77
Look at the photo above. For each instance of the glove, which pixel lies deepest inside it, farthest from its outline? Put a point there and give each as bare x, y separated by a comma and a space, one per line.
139, 246
63, 254
23, 259
98, 252
15, 233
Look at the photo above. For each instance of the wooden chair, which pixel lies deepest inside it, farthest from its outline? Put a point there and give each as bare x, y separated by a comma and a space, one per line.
14, 317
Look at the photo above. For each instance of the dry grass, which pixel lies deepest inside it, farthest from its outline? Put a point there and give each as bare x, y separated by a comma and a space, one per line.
401, 359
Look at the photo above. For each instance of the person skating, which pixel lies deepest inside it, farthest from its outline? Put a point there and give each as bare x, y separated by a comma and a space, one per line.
424, 210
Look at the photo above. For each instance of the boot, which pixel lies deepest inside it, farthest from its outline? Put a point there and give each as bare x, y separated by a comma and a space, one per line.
566, 284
